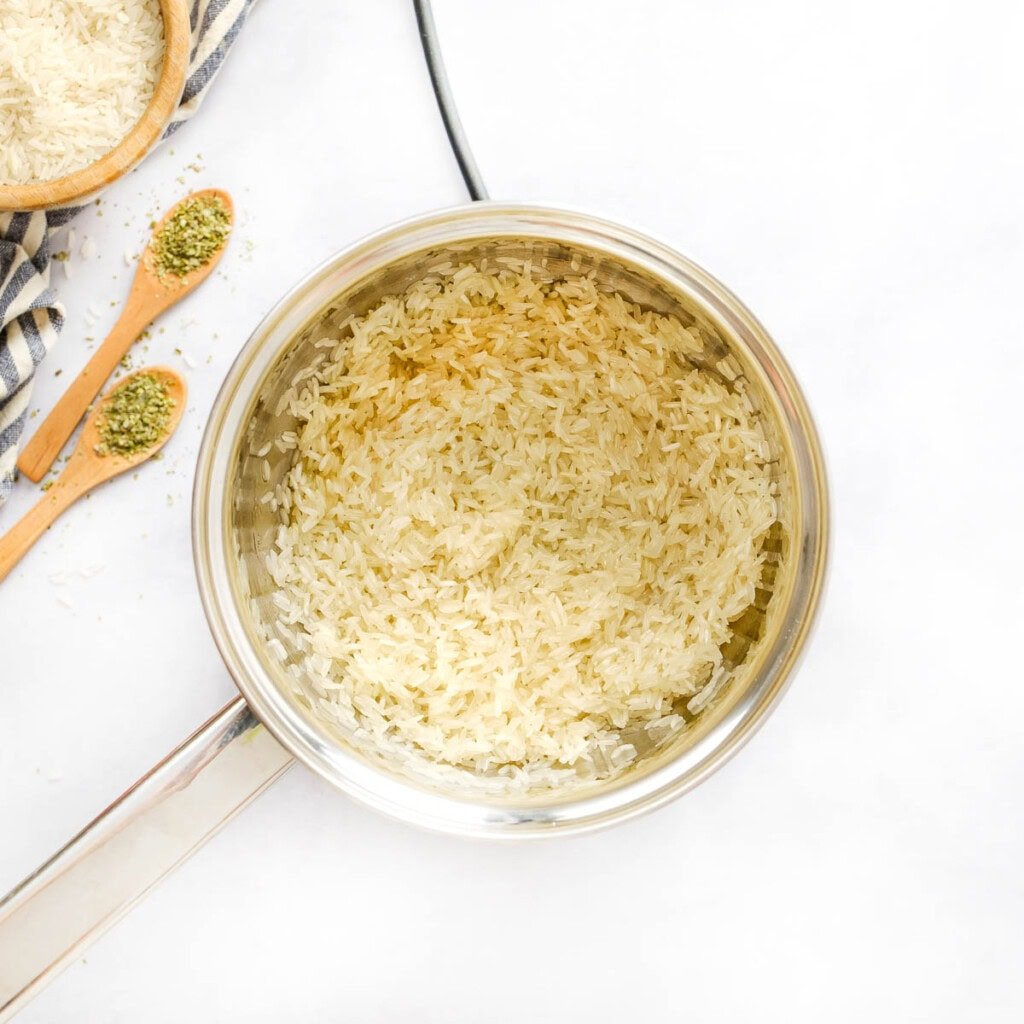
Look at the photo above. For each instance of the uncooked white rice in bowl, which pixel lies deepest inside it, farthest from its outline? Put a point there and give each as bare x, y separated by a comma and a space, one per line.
75, 77
518, 527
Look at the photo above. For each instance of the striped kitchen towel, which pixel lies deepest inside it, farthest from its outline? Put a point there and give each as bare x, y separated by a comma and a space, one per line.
30, 314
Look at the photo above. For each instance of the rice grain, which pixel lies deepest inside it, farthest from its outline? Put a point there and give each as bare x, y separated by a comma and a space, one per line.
518, 523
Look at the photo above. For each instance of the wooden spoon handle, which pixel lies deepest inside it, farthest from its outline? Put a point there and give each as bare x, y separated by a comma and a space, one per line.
39, 454
35, 522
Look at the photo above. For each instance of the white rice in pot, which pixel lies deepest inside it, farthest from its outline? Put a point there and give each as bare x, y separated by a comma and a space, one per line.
518, 525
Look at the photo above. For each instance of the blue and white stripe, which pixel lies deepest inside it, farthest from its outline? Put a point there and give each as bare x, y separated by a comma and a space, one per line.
31, 316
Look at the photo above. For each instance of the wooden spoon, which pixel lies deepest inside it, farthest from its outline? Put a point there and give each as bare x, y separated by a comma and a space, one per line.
85, 469
150, 296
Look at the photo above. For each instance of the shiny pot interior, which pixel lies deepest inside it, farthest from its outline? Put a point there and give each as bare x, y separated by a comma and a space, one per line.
234, 527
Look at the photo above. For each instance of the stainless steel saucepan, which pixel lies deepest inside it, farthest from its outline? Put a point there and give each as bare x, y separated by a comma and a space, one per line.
89, 884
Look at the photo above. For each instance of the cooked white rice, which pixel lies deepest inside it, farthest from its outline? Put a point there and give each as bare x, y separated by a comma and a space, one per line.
75, 77
518, 523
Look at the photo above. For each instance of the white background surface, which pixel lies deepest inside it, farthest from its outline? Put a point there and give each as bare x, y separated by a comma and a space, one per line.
855, 172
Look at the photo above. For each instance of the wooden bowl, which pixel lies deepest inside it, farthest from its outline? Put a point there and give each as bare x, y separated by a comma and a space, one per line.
79, 186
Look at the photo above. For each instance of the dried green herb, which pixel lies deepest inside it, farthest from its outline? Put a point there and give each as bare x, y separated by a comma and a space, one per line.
136, 417
192, 236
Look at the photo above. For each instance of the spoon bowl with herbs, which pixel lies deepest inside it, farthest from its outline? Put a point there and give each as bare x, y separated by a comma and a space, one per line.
185, 247
129, 425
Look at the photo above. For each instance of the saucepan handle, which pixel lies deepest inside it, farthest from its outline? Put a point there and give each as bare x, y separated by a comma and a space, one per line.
48, 919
